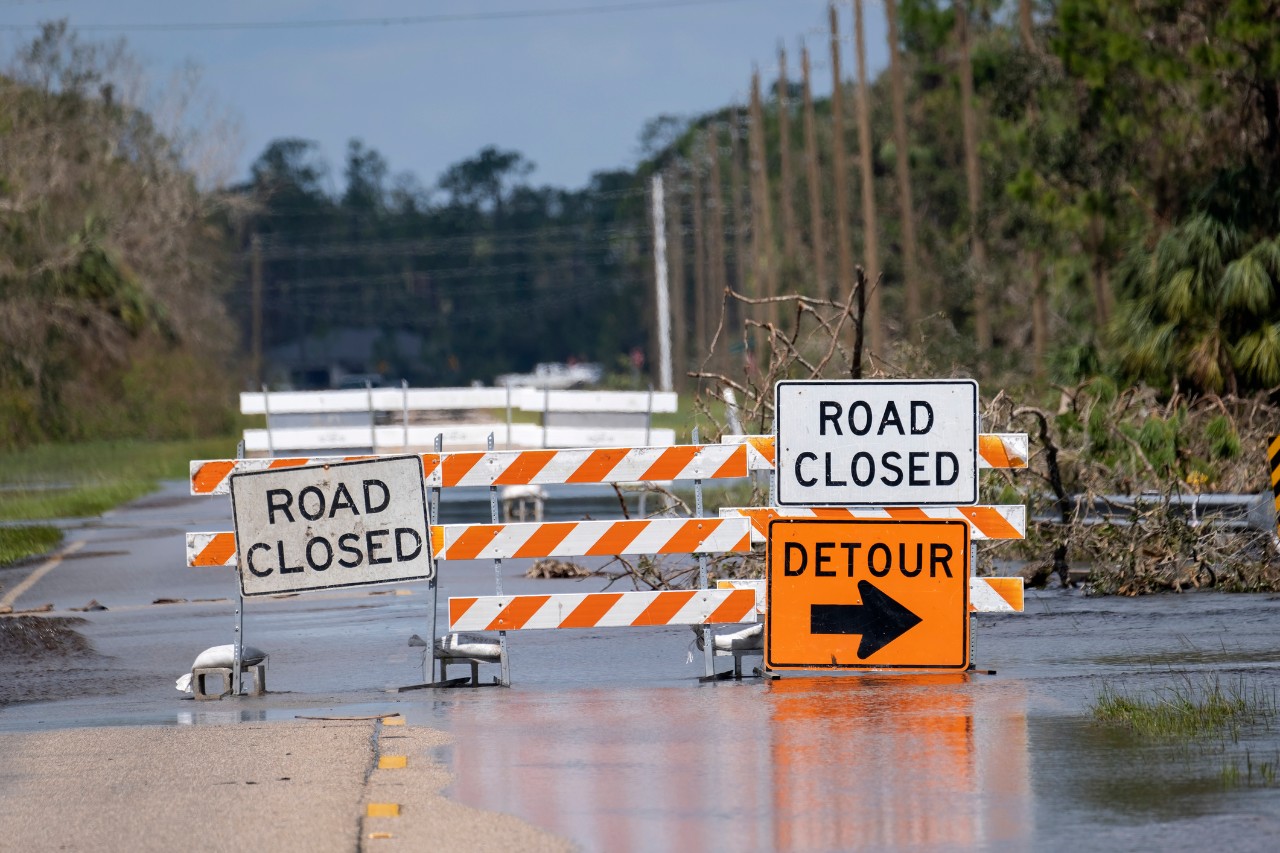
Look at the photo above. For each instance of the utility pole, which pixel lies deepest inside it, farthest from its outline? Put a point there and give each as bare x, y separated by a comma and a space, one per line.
910, 274
790, 239
844, 255
817, 242
662, 301
255, 278
874, 322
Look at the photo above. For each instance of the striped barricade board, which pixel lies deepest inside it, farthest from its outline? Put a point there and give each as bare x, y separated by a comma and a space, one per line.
995, 450
1004, 521
602, 609
986, 595
520, 467
545, 539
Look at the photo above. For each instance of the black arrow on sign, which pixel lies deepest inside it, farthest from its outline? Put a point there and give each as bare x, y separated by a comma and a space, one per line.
879, 619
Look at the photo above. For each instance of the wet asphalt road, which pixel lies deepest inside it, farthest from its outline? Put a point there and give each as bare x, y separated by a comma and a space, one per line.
606, 738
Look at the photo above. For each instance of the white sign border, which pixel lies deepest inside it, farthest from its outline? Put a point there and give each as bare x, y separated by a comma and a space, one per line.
422, 486
778, 500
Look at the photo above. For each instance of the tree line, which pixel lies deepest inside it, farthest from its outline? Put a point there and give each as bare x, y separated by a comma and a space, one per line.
1037, 191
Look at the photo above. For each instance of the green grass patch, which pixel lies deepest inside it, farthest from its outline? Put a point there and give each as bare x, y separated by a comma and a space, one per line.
81, 480
1186, 710
19, 543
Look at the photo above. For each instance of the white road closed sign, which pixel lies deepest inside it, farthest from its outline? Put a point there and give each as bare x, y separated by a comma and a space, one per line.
877, 442
343, 524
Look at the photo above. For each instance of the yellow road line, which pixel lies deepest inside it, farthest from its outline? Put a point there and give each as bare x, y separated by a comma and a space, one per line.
49, 565
383, 810
393, 762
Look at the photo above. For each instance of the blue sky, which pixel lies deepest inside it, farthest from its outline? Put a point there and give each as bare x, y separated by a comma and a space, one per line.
571, 93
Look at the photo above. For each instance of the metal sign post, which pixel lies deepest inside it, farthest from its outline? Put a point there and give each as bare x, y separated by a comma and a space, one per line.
433, 586
708, 634
497, 578
238, 652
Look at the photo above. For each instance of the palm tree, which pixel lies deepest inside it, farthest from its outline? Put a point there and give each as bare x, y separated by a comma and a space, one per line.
1202, 309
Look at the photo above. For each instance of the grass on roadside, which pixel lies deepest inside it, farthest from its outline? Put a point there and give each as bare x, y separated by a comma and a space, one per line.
19, 543
1186, 710
79, 480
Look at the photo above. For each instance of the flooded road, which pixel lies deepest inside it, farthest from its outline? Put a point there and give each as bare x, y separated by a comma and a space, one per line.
607, 738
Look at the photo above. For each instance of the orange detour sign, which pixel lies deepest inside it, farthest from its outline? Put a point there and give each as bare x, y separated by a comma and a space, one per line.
861, 594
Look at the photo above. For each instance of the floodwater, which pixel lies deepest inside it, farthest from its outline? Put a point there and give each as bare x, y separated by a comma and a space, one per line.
608, 738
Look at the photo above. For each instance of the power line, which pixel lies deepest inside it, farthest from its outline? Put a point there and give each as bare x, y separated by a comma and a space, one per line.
403, 20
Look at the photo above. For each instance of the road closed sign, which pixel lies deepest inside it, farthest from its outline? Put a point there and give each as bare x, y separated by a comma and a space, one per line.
877, 443
337, 525
856, 595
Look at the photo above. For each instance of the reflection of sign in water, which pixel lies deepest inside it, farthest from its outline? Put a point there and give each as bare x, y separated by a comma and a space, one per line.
908, 762
344, 524
877, 443
861, 594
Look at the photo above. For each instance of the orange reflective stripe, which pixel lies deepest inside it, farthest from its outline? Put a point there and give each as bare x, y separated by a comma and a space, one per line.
691, 534
592, 608
906, 513
597, 465
456, 466
458, 608
544, 540
672, 461
473, 540
288, 463
518, 612
735, 608
764, 446
990, 522
220, 549
617, 538
665, 606
735, 465
524, 468
437, 539
210, 475
430, 461
992, 449
1010, 589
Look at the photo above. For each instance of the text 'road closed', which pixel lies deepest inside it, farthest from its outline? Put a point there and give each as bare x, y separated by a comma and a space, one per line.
877, 443
345, 524
867, 594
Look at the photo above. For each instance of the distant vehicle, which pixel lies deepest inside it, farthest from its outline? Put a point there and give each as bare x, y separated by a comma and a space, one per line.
554, 375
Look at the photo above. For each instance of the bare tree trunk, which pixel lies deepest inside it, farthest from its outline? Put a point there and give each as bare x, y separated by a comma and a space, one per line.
700, 310
910, 272
1025, 26
817, 243
844, 252
715, 239
874, 321
679, 299
977, 245
1098, 273
1039, 314
740, 219
786, 199
762, 208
